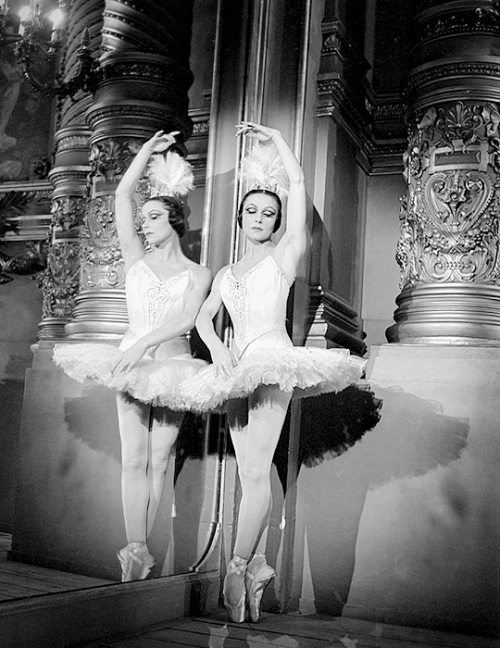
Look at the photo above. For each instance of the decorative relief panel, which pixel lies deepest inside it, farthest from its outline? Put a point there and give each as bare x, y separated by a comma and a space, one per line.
475, 19
72, 142
201, 128
67, 213
449, 218
107, 160
169, 75
102, 265
60, 281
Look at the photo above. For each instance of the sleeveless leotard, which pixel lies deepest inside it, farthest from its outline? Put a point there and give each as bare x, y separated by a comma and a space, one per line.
257, 304
151, 303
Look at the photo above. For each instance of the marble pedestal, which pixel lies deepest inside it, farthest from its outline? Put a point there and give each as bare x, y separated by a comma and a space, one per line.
404, 528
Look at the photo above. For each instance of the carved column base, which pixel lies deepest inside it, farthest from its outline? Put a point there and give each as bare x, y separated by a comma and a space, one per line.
99, 314
461, 314
52, 328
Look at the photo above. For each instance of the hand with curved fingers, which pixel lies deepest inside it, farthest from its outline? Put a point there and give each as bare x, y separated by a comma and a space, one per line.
161, 141
223, 361
129, 358
257, 131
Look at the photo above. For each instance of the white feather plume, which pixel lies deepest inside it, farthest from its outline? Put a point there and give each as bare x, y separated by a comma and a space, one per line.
262, 168
170, 175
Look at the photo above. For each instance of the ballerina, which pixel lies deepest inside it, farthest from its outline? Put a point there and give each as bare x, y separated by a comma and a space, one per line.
257, 377
164, 291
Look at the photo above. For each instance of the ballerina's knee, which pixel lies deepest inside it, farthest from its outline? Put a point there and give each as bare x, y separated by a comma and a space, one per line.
134, 464
254, 474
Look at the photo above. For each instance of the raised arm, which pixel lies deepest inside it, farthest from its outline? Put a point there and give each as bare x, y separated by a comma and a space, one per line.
222, 357
294, 242
130, 243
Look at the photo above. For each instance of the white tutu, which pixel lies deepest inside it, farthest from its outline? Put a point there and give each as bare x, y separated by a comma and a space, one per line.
156, 378
256, 303
155, 381
305, 371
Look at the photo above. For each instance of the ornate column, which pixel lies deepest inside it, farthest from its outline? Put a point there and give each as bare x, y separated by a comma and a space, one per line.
60, 282
449, 245
144, 77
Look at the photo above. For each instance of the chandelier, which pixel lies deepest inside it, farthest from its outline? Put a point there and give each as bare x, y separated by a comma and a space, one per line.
36, 41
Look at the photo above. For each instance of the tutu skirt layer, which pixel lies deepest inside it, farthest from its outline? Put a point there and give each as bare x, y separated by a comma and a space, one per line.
305, 371
151, 381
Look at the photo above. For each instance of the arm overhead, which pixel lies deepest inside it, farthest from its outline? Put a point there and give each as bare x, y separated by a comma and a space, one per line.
293, 244
130, 243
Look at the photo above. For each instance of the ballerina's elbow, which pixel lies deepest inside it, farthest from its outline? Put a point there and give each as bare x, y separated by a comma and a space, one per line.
298, 178
201, 320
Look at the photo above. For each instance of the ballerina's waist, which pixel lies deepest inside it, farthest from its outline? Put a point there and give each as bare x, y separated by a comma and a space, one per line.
179, 346
272, 338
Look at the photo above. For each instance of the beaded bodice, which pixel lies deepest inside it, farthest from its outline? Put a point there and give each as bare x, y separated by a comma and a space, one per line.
256, 302
151, 301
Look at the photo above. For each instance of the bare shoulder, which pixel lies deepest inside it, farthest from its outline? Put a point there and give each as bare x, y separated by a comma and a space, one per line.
221, 273
218, 276
201, 272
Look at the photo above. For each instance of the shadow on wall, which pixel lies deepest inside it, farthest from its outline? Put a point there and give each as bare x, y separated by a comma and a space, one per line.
413, 438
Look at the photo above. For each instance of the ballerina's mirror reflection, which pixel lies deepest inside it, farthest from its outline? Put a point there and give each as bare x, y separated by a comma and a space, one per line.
164, 291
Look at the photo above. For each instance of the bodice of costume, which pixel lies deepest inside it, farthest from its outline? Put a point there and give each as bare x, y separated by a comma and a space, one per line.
256, 302
153, 302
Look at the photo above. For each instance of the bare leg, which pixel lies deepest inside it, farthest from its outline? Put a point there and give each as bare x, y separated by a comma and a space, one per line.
164, 431
133, 418
254, 437
255, 446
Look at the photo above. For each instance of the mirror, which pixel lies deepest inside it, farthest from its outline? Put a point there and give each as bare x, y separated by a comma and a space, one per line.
68, 507
68, 512
60, 490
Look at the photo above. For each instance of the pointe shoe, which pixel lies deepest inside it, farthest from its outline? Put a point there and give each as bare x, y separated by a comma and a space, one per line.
233, 583
136, 561
257, 577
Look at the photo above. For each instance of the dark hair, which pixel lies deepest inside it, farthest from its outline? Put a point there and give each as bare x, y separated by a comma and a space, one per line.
267, 192
175, 212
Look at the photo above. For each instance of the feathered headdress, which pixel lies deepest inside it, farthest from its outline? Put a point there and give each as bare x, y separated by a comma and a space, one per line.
170, 175
262, 169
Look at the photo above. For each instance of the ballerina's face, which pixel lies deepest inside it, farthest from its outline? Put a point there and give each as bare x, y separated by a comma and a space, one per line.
259, 216
155, 222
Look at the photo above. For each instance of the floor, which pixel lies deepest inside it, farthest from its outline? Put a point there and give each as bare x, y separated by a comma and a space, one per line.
20, 581
289, 631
